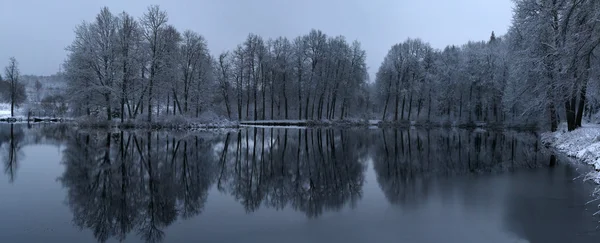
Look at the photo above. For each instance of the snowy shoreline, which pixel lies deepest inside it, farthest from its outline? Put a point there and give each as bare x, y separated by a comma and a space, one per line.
582, 144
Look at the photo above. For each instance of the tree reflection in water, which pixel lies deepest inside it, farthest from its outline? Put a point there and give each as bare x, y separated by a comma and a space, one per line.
408, 162
123, 182
310, 170
11, 143
120, 182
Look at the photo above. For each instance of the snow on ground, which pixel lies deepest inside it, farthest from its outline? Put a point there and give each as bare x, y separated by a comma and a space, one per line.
582, 143
273, 126
4, 110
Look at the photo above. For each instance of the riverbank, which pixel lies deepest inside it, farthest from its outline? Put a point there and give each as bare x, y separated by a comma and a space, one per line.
179, 124
582, 144
387, 124
21, 119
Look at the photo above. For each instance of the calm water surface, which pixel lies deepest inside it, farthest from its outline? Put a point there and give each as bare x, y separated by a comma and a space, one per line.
288, 185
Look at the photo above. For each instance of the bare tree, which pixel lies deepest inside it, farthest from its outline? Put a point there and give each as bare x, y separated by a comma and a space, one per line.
225, 69
129, 42
12, 75
153, 23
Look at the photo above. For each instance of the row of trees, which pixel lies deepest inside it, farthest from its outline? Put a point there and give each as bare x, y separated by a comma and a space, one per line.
553, 51
311, 77
463, 84
546, 64
126, 67
123, 67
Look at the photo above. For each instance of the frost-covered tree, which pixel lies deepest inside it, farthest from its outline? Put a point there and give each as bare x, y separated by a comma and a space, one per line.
557, 39
14, 91
223, 76
129, 48
153, 25
152, 68
402, 74
92, 65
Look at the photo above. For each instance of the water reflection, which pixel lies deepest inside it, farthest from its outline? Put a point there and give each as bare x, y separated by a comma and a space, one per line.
124, 184
13, 137
11, 142
407, 162
310, 170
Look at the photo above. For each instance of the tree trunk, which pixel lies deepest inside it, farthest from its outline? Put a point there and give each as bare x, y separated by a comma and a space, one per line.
419, 107
248, 97
582, 93
580, 110
264, 109
387, 99
108, 107
272, 94
178, 106
169, 103
320, 105
429, 108
553, 120
344, 108
397, 105
409, 106
403, 104
185, 101
460, 105
570, 111
124, 92
285, 99
150, 99
470, 103
12, 98
300, 96
306, 105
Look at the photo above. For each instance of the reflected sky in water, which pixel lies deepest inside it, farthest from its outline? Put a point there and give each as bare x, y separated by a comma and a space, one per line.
288, 185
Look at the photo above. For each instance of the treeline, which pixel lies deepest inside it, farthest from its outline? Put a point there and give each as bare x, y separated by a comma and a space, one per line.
119, 66
459, 84
542, 71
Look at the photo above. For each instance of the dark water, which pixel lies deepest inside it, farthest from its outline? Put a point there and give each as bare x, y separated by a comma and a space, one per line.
278, 185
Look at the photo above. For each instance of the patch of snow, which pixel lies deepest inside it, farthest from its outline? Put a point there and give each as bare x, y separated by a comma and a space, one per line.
274, 121
274, 126
582, 143
5, 110
480, 130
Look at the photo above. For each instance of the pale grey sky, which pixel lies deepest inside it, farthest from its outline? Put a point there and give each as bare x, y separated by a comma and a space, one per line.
36, 32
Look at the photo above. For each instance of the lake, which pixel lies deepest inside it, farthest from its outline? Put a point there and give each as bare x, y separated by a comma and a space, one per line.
288, 185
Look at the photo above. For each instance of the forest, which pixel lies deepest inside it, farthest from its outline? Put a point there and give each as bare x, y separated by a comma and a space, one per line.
540, 73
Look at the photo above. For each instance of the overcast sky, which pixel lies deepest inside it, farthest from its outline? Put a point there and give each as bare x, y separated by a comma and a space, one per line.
36, 32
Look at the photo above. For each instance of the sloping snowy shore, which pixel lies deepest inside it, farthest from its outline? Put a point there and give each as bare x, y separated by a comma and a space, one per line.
582, 144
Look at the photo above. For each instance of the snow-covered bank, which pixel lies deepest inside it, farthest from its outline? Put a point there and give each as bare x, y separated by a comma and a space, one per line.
163, 123
582, 143
309, 123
